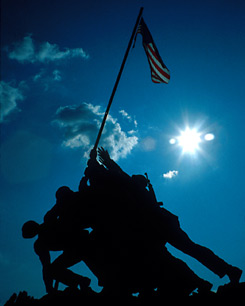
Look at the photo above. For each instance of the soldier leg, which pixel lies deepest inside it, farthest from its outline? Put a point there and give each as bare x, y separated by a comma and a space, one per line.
172, 275
62, 274
180, 240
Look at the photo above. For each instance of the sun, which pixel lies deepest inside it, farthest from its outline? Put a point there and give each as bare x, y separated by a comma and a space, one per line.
189, 140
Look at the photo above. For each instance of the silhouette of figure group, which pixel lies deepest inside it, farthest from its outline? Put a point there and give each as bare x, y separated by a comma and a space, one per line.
126, 248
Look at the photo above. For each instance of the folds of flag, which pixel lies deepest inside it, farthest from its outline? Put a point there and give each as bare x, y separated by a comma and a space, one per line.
159, 72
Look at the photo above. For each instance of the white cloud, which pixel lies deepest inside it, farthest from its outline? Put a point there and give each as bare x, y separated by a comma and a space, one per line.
9, 97
125, 114
128, 117
24, 50
81, 124
30, 51
170, 174
131, 132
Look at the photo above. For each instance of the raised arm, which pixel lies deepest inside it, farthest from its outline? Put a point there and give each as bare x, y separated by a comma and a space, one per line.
109, 163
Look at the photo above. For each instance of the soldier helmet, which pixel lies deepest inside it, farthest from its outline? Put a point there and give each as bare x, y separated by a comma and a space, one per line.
63, 192
30, 229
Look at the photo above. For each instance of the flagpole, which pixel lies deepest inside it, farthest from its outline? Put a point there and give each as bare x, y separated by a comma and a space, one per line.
118, 79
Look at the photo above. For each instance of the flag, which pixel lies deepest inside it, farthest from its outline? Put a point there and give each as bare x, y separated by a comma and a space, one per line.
159, 72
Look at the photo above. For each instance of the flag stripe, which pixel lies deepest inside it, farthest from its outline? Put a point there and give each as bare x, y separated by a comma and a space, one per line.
155, 69
163, 75
153, 54
155, 77
155, 80
159, 72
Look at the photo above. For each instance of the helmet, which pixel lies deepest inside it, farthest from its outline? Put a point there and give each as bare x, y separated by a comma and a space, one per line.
63, 192
30, 229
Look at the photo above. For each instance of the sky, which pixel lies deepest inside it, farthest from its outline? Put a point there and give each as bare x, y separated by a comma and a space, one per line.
59, 62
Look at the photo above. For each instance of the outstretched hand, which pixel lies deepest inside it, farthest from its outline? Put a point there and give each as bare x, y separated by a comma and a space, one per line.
104, 156
93, 154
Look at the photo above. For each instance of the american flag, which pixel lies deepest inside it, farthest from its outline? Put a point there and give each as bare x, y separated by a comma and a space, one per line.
159, 72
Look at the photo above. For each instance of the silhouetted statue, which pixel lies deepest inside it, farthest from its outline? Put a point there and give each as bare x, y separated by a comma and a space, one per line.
126, 248
163, 225
71, 209
63, 230
128, 242
52, 237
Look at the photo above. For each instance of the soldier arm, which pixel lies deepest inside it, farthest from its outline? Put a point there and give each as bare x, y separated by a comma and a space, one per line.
83, 184
109, 163
44, 256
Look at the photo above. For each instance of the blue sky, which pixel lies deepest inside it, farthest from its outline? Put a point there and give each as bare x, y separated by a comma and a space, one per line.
59, 61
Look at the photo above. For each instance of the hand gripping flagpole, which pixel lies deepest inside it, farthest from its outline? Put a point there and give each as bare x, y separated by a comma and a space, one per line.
117, 80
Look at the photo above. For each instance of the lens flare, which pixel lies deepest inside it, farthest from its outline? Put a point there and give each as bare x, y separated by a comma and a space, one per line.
209, 137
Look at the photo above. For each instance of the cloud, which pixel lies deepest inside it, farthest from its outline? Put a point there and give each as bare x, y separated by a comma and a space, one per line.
128, 117
30, 51
170, 174
81, 123
9, 97
57, 75
125, 114
39, 75
46, 77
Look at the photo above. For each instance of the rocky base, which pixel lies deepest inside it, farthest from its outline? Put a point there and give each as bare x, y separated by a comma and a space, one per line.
229, 293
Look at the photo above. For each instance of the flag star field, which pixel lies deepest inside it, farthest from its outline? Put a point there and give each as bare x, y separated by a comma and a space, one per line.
59, 63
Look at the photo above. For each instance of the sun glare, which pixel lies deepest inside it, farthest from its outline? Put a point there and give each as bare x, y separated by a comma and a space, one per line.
189, 140
192, 140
